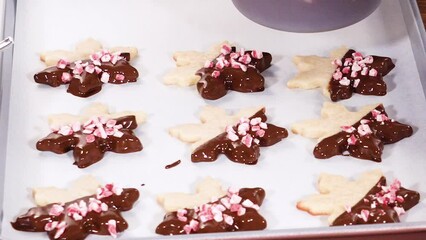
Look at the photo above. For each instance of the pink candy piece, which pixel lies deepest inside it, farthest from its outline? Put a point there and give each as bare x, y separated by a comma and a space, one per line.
115, 59
187, 229
337, 75
90, 138
241, 211
356, 83
364, 129
119, 77
337, 62
243, 128
215, 74
208, 64
235, 199
106, 57
226, 202
348, 129
50, 226
372, 73
352, 140
78, 69
257, 54
226, 49
65, 130
364, 215
95, 56
66, 77
60, 229
345, 81
382, 117
348, 209
247, 140
356, 67
112, 228
62, 64
56, 210
260, 133
246, 59
232, 136
399, 210
90, 68
228, 219
105, 77
375, 113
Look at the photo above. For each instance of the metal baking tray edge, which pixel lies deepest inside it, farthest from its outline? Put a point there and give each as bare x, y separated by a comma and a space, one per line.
6, 74
395, 231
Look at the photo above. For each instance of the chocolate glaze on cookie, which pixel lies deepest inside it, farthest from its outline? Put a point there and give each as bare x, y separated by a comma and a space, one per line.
382, 204
364, 139
90, 146
75, 220
232, 70
85, 78
358, 74
237, 211
241, 145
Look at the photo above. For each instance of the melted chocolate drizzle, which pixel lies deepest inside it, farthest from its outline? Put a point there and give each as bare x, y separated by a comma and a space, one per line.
251, 220
368, 146
384, 211
233, 78
36, 218
90, 83
237, 151
85, 153
367, 85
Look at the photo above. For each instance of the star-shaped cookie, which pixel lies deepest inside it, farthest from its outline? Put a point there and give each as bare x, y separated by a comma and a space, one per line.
98, 213
362, 201
88, 68
220, 69
93, 133
360, 134
343, 73
233, 210
238, 136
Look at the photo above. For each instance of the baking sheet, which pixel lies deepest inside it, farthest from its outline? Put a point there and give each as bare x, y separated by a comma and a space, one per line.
287, 170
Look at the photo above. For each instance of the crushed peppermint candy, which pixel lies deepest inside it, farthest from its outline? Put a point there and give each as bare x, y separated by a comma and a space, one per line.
95, 127
112, 228
363, 127
108, 190
92, 66
247, 131
215, 211
78, 210
239, 59
352, 66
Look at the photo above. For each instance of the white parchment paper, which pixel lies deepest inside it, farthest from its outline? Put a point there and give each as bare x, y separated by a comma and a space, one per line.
287, 171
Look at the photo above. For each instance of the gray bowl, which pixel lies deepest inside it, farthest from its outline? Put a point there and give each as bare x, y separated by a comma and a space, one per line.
306, 15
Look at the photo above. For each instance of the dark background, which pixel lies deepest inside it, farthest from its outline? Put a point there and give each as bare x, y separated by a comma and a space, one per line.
422, 7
